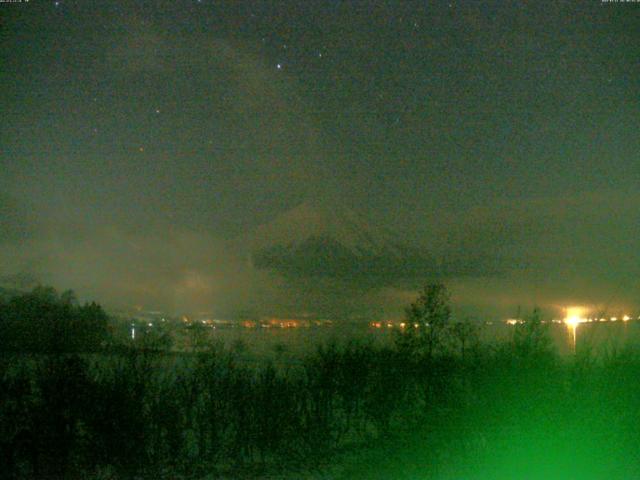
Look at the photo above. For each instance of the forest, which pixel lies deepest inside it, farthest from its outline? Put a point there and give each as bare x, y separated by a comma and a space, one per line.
434, 404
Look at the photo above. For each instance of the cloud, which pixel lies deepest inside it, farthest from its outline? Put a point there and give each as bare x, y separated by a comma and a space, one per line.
549, 252
556, 250
15, 220
587, 231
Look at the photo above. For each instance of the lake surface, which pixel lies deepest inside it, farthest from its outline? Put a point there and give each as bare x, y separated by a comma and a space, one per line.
600, 337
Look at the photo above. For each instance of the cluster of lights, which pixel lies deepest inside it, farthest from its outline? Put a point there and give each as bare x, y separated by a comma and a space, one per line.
514, 321
403, 325
574, 317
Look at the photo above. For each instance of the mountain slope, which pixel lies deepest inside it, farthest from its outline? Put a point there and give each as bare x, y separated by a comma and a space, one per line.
312, 240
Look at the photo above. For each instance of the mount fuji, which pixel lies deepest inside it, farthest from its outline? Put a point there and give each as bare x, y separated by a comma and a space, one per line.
316, 240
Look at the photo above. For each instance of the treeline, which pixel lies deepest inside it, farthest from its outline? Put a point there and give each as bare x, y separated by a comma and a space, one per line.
43, 321
355, 411
422, 407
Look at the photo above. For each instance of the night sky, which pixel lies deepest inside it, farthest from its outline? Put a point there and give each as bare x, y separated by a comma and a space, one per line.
142, 143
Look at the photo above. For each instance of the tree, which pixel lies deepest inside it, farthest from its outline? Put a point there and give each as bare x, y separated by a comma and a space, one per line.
90, 328
426, 320
465, 333
159, 338
43, 321
531, 339
199, 336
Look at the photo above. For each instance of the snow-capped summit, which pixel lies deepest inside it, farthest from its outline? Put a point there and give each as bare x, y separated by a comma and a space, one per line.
341, 224
315, 239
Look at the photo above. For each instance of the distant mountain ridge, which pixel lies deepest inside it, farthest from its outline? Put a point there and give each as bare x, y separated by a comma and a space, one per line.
340, 223
313, 239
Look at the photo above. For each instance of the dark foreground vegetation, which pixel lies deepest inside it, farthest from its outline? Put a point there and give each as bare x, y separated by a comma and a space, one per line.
434, 405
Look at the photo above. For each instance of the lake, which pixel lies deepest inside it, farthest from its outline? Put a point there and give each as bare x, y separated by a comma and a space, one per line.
297, 341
